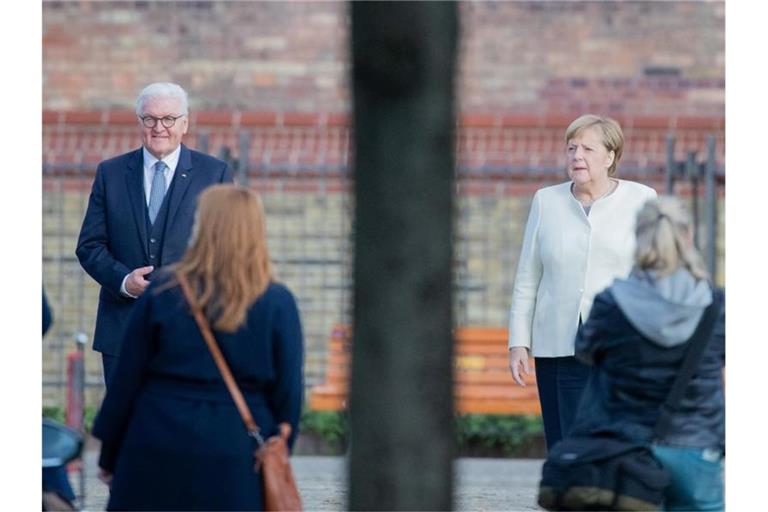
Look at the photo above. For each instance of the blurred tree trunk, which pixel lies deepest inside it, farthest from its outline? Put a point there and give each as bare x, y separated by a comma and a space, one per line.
401, 398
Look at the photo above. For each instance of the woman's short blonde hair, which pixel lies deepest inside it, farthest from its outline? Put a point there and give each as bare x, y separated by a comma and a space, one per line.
665, 239
613, 137
227, 263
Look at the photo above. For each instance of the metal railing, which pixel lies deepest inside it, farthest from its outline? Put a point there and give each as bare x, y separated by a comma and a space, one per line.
694, 171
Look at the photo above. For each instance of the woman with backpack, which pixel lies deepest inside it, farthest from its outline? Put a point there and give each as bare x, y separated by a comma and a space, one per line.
635, 340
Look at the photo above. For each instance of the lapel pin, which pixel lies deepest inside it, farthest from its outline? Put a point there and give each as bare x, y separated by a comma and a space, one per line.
183, 175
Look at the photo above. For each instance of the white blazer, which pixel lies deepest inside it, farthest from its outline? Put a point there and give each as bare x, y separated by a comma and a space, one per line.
566, 259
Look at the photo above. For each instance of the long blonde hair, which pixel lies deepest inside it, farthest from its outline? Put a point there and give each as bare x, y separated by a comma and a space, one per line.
664, 239
227, 262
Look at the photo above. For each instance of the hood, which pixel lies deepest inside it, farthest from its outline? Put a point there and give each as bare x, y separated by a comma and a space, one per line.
665, 310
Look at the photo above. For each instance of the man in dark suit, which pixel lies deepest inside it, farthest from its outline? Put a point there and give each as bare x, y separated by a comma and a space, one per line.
141, 210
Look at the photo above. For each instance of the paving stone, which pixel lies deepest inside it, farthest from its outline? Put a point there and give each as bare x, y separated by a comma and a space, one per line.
481, 485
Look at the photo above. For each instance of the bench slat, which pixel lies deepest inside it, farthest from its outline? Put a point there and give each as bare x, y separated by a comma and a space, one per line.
496, 377
498, 407
472, 405
462, 378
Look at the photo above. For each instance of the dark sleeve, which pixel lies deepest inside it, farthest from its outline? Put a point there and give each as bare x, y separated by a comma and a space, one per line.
286, 394
93, 244
47, 315
130, 369
592, 336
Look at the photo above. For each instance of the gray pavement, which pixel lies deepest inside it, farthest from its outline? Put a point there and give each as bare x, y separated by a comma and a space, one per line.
482, 484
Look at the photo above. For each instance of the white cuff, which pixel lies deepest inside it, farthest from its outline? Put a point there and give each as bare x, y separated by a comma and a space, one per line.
124, 291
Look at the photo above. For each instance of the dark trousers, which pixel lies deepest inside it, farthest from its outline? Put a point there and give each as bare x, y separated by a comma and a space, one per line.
109, 366
560, 381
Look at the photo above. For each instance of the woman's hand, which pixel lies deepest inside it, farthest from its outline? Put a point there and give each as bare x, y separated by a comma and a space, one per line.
518, 356
105, 476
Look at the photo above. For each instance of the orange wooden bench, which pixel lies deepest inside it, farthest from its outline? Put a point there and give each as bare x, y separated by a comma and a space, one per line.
483, 383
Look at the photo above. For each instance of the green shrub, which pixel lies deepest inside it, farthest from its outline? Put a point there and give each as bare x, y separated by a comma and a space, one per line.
54, 412
89, 414
491, 433
507, 433
57, 413
328, 425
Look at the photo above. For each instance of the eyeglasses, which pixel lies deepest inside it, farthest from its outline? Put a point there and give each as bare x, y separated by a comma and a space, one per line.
167, 121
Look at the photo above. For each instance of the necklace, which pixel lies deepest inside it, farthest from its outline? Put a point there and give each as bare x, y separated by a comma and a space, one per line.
611, 187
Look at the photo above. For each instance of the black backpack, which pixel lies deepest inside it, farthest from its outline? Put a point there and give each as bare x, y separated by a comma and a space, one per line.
602, 473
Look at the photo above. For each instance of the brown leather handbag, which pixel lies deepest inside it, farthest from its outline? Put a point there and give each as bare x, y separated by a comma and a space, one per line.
271, 456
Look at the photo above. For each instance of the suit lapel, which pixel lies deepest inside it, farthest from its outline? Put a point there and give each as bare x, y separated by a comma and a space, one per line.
135, 184
182, 178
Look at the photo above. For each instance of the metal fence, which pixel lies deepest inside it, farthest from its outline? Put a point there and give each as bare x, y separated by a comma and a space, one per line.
309, 211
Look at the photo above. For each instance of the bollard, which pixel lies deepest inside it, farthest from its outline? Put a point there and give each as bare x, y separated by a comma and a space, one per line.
75, 410
75, 387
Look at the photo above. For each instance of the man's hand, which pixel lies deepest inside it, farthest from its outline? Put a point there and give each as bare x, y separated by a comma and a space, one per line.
136, 284
105, 476
518, 356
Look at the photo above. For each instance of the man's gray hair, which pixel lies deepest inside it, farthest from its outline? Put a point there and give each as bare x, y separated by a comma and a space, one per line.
162, 90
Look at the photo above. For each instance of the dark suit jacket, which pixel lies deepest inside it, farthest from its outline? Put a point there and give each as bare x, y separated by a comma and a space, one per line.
113, 238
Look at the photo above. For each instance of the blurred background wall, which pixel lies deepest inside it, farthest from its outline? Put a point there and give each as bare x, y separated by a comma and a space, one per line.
268, 91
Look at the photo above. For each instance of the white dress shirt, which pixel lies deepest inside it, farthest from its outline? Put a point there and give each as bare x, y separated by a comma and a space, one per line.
567, 258
171, 161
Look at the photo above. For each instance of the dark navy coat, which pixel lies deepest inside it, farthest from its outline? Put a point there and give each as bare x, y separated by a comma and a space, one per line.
632, 376
170, 431
114, 241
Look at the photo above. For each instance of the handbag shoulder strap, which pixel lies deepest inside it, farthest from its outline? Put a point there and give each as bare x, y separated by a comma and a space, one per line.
696, 345
221, 363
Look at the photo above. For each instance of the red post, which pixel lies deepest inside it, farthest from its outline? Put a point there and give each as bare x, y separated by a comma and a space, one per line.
75, 399
75, 409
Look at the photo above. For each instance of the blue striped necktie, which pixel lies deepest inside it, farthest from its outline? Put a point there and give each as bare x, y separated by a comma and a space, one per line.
158, 191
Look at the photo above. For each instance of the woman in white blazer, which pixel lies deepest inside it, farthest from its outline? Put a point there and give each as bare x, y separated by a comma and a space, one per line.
578, 238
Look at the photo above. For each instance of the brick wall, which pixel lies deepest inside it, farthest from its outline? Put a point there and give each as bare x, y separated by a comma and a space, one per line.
267, 55
612, 57
563, 57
